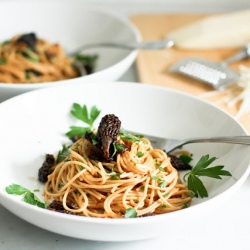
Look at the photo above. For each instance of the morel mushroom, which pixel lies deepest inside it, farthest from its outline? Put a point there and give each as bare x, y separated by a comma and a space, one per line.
28, 39
106, 136
107, 132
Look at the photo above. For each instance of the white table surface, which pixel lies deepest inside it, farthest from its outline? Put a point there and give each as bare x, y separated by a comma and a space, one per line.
226, 227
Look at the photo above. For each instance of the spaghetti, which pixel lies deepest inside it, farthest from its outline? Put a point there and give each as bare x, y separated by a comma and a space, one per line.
26, 59
141, 178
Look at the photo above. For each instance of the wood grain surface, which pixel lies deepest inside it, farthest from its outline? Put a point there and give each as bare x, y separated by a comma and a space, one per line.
153, 66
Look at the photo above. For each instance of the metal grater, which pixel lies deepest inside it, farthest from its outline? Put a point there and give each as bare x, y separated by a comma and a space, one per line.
216, 74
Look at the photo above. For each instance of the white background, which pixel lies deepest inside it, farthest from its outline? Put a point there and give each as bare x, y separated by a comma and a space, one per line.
226, 229
135, 6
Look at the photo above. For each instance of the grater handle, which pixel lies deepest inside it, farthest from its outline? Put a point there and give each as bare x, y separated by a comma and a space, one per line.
242, 54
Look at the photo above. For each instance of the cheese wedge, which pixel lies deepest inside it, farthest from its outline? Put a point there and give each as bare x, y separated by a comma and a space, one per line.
227, 30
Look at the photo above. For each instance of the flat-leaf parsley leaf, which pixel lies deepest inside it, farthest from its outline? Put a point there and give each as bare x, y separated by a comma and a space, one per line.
201, 169
63, 153
28, 196
85, 115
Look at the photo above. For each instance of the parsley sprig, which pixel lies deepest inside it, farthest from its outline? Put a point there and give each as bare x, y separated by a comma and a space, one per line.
63, 153
28, 196
83, 114
201, 169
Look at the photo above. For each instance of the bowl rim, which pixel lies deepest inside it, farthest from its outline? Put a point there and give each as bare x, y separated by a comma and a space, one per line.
101, 229
13, 199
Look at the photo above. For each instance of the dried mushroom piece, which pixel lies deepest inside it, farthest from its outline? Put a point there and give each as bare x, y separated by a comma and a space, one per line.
29, 39
107, 133
46, 169
102, 145
57, 206
178, 164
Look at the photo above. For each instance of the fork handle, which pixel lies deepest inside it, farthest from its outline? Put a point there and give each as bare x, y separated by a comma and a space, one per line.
245, 140
144, 45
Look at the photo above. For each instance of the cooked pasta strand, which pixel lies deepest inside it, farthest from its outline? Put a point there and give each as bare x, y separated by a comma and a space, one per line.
145, 181
46, 62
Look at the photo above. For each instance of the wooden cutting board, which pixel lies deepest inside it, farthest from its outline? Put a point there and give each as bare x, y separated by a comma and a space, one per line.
153, 66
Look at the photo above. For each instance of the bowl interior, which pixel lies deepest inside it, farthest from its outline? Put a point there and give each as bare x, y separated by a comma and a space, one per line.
71, 24
35, 123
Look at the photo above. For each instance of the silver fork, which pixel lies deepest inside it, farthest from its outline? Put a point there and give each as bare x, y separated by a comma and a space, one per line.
144, 45
169, 145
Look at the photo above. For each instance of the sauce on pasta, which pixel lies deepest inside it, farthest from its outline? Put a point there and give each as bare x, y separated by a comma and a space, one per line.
140, 177
28, 59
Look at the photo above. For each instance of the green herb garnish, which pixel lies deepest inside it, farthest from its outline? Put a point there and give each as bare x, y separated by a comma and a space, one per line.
61, 185
155, 178
140, 154
166, 195
83, 114
28, 196
185, 158
118, 147
114, 175
88, 61
162, 182
31, 55
3, 61
63, 153
162, 169
201, 169
80, 167
129, 137
77, 131
130, 213
27, 74
93, 138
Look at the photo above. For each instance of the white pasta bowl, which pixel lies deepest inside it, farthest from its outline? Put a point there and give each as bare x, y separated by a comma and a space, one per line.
71, 25
35, 123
